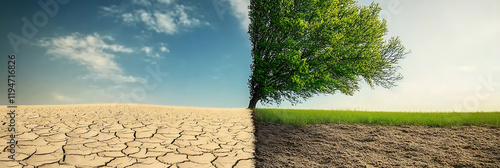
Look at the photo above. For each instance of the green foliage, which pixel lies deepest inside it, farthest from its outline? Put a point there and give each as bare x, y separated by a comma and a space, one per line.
306, 47
304, 117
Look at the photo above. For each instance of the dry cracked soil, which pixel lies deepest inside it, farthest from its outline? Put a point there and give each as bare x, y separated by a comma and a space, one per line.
129, 136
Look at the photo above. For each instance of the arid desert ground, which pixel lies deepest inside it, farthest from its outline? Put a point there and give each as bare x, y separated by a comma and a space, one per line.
124, 135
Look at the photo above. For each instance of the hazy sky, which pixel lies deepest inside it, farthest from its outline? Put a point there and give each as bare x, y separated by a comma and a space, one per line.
197, 53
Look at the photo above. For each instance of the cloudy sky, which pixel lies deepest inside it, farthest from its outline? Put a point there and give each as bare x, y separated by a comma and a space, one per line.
197, 53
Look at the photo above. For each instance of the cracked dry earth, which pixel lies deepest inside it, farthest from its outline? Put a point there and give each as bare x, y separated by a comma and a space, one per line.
127, 135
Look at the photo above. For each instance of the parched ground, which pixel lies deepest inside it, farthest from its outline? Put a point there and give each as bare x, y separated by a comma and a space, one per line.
129, 136
163, 136
355, 145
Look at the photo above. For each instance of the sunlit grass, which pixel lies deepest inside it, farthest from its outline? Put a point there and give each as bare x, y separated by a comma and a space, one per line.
298, 117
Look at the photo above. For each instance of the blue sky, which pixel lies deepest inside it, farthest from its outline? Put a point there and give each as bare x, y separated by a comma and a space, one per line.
197, 53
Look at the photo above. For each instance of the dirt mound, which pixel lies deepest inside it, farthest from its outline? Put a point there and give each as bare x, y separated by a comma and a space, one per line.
355, 145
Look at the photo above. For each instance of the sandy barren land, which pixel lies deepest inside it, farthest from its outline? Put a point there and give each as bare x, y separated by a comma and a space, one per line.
109, 135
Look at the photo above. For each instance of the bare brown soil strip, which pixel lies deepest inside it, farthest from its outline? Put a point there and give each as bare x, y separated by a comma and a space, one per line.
128, 135
355, 145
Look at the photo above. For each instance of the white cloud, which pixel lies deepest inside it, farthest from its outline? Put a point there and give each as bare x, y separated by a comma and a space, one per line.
163, 17
183, 17
240, 11
128, 18
164, 23
156, 55
152, 56
166, 1
111, 10
142, 2
94, 52
145, 17
164, 49
147, 50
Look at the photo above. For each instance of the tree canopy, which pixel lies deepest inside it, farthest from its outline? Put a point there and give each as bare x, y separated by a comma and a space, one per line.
301, 48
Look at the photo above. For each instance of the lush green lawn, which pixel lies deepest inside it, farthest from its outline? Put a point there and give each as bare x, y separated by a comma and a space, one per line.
303, 117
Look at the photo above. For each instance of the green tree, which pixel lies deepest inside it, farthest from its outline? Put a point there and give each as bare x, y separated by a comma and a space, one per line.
301, 48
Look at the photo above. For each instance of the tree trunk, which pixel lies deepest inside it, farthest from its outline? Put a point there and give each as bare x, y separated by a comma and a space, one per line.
253, 102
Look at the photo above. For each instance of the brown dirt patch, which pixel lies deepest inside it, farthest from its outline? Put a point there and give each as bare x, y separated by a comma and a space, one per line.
355, 145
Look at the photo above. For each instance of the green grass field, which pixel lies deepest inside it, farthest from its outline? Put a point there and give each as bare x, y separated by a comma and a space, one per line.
303, 117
